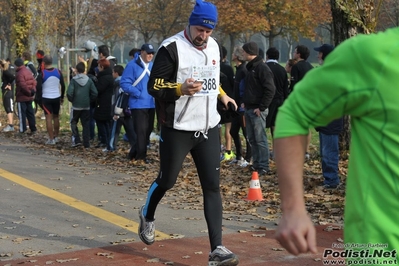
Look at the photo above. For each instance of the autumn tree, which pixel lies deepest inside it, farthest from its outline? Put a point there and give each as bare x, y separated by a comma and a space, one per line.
5, 29
172, 16
159, 18
22, 24
45, 24
72, 18
110, 22
389, 14
293, 17
349, 18
243, 22
353, 17
142, 19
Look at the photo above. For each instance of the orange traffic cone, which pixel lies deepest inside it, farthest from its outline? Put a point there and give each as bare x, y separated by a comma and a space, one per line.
254, 193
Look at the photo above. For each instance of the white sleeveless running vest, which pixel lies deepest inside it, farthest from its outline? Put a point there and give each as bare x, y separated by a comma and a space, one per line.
197, 113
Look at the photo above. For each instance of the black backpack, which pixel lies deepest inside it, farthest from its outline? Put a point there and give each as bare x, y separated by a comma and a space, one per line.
32, 69
11, 69
121, 103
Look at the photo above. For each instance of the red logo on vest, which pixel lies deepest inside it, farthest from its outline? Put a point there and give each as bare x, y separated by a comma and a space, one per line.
213, 62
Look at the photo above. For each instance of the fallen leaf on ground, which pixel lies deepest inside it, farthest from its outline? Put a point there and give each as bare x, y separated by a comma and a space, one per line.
105, 254
153, 260
176, 236
31, 253
66, 260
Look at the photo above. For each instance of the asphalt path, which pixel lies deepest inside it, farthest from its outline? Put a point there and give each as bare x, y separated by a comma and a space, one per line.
61, 203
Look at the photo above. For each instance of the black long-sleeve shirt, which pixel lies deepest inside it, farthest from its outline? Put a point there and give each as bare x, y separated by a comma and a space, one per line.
298, 71
280, 80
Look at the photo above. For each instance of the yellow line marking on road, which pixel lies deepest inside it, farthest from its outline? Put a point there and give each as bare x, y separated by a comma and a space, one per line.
77, 204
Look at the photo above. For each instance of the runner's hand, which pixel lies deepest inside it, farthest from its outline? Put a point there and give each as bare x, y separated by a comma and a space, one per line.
296, 233
189, 87
225, 99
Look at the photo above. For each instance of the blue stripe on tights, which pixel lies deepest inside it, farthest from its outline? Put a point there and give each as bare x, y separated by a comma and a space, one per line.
150, 191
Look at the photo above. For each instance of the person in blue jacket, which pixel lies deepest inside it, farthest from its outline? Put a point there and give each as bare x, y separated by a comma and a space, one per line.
134, 82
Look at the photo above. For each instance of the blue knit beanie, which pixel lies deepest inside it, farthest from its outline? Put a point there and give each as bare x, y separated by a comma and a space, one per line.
204, 14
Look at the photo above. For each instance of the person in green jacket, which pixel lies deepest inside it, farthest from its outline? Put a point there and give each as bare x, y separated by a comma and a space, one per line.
81, 92
359, 78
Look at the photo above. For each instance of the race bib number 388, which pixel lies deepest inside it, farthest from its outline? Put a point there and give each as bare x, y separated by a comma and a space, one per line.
208, 74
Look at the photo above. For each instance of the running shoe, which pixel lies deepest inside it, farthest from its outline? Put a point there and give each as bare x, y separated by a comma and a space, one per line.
8, 128
50, 142
146, 229
228, 157
222, 256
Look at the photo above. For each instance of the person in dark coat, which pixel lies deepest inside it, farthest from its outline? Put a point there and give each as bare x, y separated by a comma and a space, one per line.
298, 71
102, 111
227, 81
239, 122
7, 89
25, 89
329, 137
258, 94
281, 82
